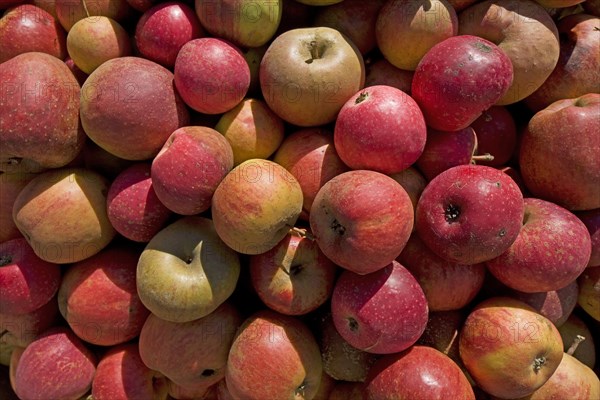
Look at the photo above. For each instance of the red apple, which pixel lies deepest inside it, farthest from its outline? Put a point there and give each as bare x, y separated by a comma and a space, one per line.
10, 186
22, 329
556, 305
381, 72
496, 135
591, 220
413, 182
586, 350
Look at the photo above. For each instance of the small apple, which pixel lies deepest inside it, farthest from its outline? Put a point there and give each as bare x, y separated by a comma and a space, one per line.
556, 305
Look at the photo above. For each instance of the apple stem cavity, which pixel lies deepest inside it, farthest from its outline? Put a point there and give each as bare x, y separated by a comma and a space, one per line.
352, 324
452, 213
578, 339
337, 227
208, 372
315, 54
5, 259
539, 363
361, 97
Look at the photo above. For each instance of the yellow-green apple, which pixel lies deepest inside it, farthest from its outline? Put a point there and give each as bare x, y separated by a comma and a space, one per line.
163, 30
71, 11
133, 207
591, 220
95, 40
447, 285
188, 255
361, 220
121, 374
470, 214
190, 353
382, 312
31, 82
211, 75
129, 107
406, 30
525, 32
252, 130
589, 292
552, 249
62, 214
556, 305
413, 182
560, 155
307, 74
577, 71
496, 134
458, 79
419, 372
294, 277
255, 206
508, 348
27, 282
380, 128
26, 28
586, 350
189, 167
120, 315
22, 329
57, 365
273, 356
247, 23
442, 333
10, 186
381, 72
309, 154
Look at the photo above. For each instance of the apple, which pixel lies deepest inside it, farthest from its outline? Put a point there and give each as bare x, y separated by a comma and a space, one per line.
189, 167
273, 356
239, 213
458, 79
26, 28
382, 72
419, 372
30, 83
309, 85
470, 214
525, 33
129, 107
407, 30
211, 75
47, 5
190, 353
552, 249
141, 5
163, 30
188, 255
22, 329
413, 182
442, 333
71, 11
325, 388
496, 134
253, 57
10, 186
508, 348
361, 220
591, 220
556, 305
380, 128
556, 159
294, 277
62, 214
121, 374
382, 312
6, 351
310, 156
589, 289
586, 350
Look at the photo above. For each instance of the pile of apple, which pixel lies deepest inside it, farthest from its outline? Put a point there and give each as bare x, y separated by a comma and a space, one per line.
299, 199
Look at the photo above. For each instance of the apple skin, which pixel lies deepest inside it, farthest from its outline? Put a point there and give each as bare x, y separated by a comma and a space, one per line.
556, 305
211, 75
238, 211
381, 129
278, 351
189, 167
470, 214
71, 11
508, 348
121, 374
129, 107
308, 86
381, 72
458, 78
190, 353
413, 182
310, 156
57, 365
10, 186
26, 28
589, 290
294, 277
586, 351
552, 249
556, 160
52, 139
591, 220
22, 329
442, 333
73, 198
77, 72
188, 255
447, 285
361, 220
382, 312
496, 133
419, 372
163, 30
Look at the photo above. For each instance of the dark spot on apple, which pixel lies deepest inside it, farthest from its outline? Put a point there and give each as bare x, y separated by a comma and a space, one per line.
4, 332
498, 184
208, 372
482, 47
502, 232
5, 259
538, 363
352, 324
361, 97
338, 228
451, 213
189, 260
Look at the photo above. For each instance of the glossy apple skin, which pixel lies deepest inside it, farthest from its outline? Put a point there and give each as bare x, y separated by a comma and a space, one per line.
470, 214
591, 219
71, 11
278, 351
552, 249
496, 135
121, 374
189, 167
458, 78
589, 290
27, 28
419, 372
381, 72
586, 351
508, 348
556, 305
380, 128
382, 312
22, 329
557, 162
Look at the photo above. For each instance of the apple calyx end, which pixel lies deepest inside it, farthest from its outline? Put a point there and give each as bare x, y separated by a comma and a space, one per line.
337, 227
352, 324
452, 213
5, 260
538, 363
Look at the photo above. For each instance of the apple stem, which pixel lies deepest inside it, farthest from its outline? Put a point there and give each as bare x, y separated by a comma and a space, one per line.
303, 233
85, 8
482, 157
578, 339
